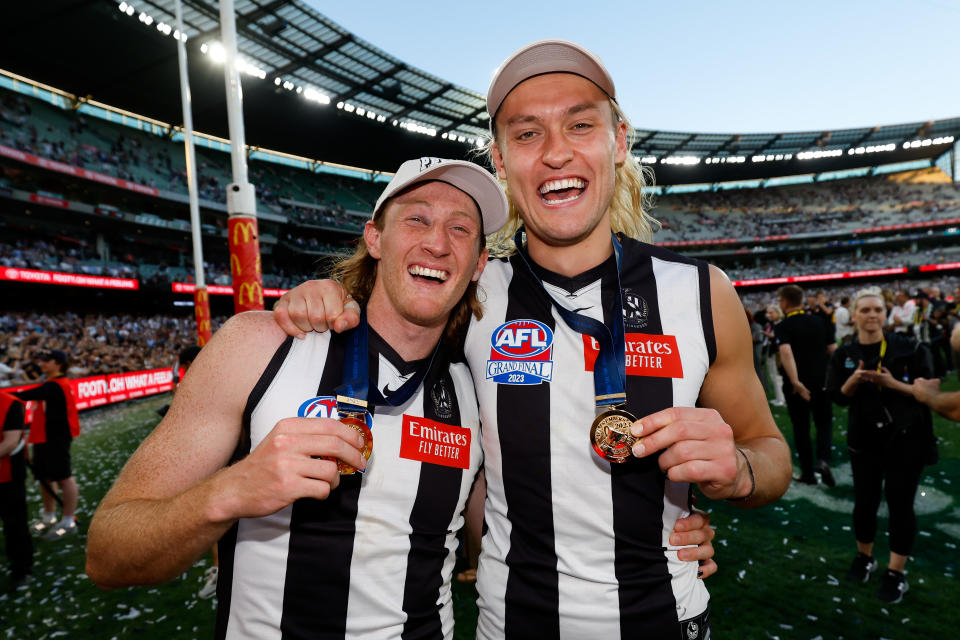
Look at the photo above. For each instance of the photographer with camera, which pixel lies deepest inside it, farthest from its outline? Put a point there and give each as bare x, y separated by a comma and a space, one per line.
890, 434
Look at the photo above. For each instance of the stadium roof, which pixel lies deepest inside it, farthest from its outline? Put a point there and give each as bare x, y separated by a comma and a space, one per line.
314, 89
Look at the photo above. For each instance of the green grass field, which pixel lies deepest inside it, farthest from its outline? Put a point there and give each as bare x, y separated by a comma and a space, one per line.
781, 567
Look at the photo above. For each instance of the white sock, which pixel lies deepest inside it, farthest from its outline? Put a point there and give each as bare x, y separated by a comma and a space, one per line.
49, 516
66, 523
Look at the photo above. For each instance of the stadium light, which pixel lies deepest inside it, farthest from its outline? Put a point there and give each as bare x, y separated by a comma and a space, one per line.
315, 96
816, 155
217, 52
681, 160
926, 142
123, 7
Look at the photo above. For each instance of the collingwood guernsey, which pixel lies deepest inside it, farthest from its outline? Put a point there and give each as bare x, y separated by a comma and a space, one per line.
576, 547
374, 559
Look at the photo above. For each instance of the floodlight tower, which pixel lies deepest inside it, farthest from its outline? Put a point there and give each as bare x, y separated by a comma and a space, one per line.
242, 236
201, 299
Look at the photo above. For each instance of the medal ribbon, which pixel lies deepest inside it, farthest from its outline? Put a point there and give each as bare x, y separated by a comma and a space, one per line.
353, 394
610, 371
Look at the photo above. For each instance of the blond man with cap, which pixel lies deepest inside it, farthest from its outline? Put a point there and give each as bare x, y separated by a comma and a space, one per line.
252, 454
584, 332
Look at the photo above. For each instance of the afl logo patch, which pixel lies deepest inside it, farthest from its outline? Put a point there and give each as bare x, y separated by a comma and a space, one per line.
635, 310
521, 353
323, 407
319, 407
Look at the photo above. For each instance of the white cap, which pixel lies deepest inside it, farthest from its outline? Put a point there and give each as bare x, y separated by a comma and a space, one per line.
546, 56
470, 178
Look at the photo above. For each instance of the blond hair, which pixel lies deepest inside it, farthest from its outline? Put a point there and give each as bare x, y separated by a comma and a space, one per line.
358, 275
629, 206
868, 292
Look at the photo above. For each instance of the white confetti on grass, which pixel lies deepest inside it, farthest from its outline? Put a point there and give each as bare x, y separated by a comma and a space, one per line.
130, 615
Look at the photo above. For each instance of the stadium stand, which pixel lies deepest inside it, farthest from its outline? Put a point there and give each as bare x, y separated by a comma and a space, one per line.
97, 344
836, 206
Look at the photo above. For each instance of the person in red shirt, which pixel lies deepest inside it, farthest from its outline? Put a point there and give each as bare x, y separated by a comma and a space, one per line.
54, 426
13, 495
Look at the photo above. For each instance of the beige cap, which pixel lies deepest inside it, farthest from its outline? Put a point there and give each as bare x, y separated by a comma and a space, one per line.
472, 179
546, 56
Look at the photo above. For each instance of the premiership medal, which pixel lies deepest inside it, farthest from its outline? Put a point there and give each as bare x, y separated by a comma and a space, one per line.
358, 422
611, 436
355, 395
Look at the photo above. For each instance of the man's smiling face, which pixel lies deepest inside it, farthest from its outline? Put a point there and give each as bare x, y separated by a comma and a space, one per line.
429, 251
558, 146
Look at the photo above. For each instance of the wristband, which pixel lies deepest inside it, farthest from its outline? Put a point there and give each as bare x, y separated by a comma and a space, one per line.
753, 479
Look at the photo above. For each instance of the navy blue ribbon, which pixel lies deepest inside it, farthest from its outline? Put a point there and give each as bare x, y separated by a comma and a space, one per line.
354, 394
610, 370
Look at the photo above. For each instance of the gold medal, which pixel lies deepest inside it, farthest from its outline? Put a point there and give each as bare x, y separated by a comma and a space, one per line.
358, 422
611, 437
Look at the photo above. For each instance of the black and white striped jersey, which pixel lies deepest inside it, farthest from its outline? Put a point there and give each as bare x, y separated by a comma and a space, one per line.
374, 560
575, 547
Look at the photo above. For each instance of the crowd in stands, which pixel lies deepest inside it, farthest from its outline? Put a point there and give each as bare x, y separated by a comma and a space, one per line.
95, 344
78, 258
774, 266
140, 157
46, 256
820, 208
324, 217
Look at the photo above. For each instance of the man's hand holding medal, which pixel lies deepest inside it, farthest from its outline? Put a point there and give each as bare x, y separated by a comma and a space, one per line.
297, 459
696, 446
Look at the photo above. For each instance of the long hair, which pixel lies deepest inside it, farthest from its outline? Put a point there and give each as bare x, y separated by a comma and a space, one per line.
358, 274
629, 207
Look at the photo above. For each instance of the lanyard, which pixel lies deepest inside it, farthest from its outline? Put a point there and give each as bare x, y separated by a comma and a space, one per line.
353, 394
883, 352
609, 375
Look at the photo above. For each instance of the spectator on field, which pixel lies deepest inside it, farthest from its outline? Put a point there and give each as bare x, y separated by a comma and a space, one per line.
13, 494
903, 314
774, 316
890, 435
54, 425
842, 322
804, 342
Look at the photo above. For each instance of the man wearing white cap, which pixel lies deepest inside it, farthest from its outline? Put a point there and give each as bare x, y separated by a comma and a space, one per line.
252, 452
583, 332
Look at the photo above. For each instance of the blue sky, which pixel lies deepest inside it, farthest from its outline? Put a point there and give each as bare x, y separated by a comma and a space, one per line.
707, 66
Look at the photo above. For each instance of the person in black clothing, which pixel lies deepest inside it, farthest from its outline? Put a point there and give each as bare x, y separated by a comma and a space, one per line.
13, 494
54, 425
890, 435
804, 342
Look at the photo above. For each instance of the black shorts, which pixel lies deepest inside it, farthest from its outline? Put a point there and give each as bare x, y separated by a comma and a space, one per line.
51, 461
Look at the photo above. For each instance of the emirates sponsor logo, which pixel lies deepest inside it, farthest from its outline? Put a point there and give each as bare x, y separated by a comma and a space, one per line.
646, 355
434, 442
